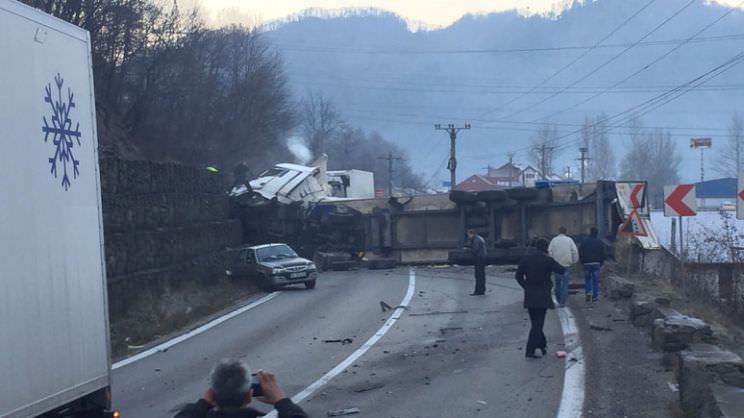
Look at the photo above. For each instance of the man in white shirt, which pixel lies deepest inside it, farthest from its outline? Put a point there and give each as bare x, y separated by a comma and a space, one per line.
563, 250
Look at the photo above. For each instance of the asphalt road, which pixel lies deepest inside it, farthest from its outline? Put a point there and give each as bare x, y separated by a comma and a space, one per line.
449, 354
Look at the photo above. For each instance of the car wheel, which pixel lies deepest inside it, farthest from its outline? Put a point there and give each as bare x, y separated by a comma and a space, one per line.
265, 284
310, 284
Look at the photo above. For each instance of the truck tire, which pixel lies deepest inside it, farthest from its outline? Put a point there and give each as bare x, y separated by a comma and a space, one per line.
523, 193
463, 197
382, 264
492, 196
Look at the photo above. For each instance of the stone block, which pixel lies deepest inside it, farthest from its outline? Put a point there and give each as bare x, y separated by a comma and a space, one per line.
701, 365
641, 311
616, 288
727, 401
676, 333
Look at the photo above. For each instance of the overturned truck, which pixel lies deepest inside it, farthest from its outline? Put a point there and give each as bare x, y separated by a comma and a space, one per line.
426, 229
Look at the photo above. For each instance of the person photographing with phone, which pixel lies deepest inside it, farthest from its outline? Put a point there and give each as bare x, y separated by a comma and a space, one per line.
232, 390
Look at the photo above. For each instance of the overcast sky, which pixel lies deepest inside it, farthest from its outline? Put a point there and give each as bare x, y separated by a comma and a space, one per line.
435, 13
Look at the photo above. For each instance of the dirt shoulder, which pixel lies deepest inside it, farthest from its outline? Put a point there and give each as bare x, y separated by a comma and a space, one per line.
624, 376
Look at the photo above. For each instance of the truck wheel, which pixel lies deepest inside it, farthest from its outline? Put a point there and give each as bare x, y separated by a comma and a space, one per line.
492, 196
523, 193
463, 197
310, 284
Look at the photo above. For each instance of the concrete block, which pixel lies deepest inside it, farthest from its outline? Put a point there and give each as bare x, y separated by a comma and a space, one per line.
641, 311
677, 332
700, 366
616, 288
727, 401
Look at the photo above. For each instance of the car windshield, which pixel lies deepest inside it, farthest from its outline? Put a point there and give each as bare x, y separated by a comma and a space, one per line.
275, 252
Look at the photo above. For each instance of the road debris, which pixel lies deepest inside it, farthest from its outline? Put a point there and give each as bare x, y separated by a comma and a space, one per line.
385, 307
450, 330
369, 387
340, 412
561, 354
598, 327
436, 313
481, 402
343, 341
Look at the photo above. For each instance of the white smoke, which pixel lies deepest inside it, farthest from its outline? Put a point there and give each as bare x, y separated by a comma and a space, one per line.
301, 152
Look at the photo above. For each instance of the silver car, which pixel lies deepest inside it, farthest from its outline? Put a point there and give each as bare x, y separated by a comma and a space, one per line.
274, 265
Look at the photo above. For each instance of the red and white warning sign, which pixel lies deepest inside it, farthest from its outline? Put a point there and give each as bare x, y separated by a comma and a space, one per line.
632, 197
680, 200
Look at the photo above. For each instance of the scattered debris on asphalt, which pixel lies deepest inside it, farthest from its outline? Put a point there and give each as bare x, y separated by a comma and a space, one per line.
385, 307
369, 387
481, 402
598, 327
450, 330
436, 313
561, 354
343, 341
340, 412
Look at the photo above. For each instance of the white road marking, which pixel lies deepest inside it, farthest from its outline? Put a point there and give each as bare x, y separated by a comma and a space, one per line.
361, 350
572, 398
196, 331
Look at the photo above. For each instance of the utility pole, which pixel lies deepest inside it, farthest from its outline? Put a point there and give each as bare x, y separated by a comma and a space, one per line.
583, 159
452, 130
390, 159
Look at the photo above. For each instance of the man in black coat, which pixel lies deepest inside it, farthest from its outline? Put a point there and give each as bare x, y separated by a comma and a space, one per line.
533, 274
478, 249
231, 392
592, 256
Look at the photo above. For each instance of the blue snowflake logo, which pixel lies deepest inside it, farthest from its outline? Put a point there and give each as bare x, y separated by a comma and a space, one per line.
61, 132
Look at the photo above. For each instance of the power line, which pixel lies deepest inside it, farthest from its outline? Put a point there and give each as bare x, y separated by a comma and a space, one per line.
607, 62
645, 67
578, 58
350, 50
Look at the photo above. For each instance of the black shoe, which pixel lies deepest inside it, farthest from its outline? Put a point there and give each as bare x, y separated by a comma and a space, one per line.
531, 355
476, 294
588, 298
544, 351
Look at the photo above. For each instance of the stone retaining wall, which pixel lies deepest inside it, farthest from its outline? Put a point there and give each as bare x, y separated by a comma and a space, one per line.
718, 285
164, 225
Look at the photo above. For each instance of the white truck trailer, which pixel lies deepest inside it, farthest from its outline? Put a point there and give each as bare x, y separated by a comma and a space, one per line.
54, 339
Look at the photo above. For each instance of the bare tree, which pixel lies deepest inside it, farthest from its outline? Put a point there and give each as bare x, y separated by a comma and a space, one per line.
595, 137
731, 154
319, 121
652, 157
545, 148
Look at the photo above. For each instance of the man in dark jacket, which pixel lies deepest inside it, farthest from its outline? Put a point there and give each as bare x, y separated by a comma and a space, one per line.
592, 256
478, 249
533, 274
231, 392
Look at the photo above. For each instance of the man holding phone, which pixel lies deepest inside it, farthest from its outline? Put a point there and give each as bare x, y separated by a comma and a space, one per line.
232, 391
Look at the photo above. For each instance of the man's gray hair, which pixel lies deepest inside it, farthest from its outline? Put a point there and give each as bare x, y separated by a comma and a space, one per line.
231, 382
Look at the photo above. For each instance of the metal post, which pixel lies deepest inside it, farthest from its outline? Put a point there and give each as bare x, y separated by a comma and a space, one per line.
681, 242
702, 174
674, 236
583, 151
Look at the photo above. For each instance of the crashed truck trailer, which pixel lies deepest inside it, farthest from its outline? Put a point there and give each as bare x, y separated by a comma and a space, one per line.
430, 229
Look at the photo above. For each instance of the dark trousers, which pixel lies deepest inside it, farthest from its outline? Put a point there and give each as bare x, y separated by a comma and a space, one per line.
480, 277
537, 337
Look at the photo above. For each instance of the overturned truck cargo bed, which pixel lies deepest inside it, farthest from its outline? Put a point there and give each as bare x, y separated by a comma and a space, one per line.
430, 229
